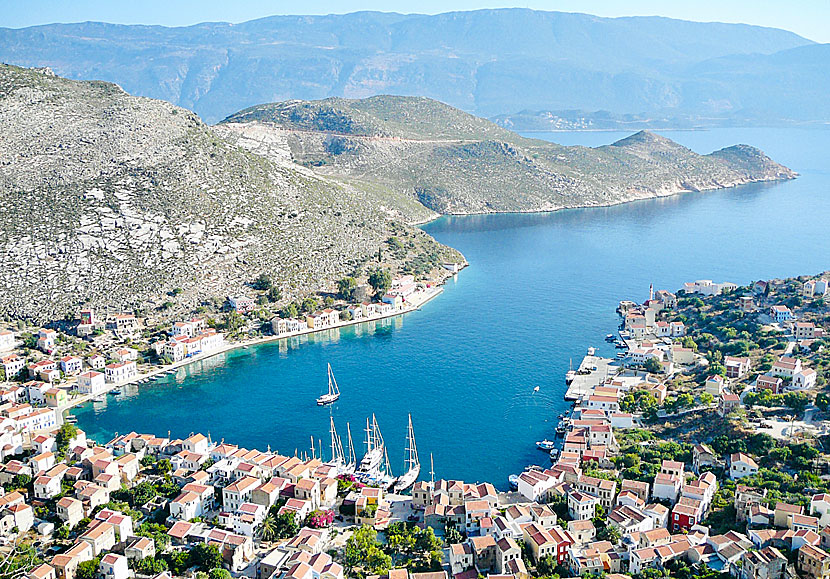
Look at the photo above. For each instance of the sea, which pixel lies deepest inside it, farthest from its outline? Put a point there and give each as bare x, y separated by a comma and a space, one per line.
540, 289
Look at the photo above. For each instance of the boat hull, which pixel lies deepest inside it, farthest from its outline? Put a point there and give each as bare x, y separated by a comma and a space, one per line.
327, 399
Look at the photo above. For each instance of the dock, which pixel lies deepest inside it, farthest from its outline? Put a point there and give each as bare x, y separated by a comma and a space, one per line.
587, 378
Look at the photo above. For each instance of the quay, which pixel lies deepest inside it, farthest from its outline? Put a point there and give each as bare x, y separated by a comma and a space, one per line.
415, 303
592, 372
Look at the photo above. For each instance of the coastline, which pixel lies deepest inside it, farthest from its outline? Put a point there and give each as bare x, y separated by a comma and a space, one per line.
415, 305
674, 193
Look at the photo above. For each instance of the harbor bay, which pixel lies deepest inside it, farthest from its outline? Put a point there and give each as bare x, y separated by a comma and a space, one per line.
540, 289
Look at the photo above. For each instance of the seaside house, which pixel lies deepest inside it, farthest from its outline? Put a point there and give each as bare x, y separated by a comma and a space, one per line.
71, 365
242, 304
55, 397
92, 382
120, 372
813, 562
46, 340
96, 362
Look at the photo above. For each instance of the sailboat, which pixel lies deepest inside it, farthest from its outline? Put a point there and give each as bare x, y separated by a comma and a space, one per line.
374, 466
412, 463
338, 457
374, 447
333, 393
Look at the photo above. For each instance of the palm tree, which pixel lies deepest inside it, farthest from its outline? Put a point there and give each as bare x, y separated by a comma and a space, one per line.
268, 528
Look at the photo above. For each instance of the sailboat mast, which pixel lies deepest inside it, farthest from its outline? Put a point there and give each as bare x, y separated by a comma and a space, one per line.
431, 470
333, 389
369, 441
352, 457
415, 460
313, 453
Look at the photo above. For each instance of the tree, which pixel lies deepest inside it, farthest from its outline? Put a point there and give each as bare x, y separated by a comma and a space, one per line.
287, 525
65, 434
151, 566
233, 321
363, 551
142, 493
274, 294
263, 282
218, 573
380, 280
796, 400
177, 561
290, 311
345, 287
268, 528
309, 305
685, 400
653, 365
206, 557
452, 536
88, 569
546, 566
706, 398
164, 466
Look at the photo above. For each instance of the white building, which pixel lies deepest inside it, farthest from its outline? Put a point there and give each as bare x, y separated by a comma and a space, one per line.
92, 382
741, 465
120, 372
114, 566
6, 340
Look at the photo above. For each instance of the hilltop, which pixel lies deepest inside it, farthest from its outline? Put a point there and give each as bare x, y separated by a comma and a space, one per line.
112, 200
488, 62
454, 162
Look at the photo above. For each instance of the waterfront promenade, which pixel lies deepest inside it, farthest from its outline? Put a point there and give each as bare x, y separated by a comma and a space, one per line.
415, 301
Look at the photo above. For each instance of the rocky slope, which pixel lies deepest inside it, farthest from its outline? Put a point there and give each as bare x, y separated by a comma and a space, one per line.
453, 162
112, 201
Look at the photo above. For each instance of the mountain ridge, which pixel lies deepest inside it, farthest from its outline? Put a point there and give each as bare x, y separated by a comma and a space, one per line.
487, 62
486, 168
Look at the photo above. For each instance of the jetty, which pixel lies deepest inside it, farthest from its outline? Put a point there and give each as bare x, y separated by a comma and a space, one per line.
592, 372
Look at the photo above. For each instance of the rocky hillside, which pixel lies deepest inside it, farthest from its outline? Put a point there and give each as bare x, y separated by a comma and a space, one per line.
453, 162
113, 201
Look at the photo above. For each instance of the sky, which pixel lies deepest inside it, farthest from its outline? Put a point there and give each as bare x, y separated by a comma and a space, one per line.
809, 18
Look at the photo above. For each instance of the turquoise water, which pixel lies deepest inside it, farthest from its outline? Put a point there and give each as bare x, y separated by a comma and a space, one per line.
540, 289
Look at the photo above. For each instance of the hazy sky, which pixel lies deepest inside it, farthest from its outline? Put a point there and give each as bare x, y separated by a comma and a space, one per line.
809, 18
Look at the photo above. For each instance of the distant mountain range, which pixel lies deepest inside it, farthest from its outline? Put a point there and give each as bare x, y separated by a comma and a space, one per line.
488, 62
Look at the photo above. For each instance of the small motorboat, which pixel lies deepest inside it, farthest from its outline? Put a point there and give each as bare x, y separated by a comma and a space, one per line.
513, 479
536, 389
609, 338
554, 454
115, 391
545, 445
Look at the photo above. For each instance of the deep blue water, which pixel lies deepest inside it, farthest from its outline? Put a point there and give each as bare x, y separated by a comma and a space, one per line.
540, 289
